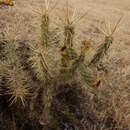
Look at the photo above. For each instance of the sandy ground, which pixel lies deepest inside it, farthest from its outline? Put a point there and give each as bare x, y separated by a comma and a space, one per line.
24, 20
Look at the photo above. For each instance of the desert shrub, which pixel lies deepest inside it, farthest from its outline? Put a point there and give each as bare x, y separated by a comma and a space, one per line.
49, 85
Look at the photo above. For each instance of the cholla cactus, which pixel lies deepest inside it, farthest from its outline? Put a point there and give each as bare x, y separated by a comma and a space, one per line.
102, 49
11, 70
17, 86
70, 61
69, 22
16, 83
41, 56
45, 24
38, 60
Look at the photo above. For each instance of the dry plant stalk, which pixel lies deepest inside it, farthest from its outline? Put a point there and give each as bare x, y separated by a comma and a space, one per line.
7, 2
